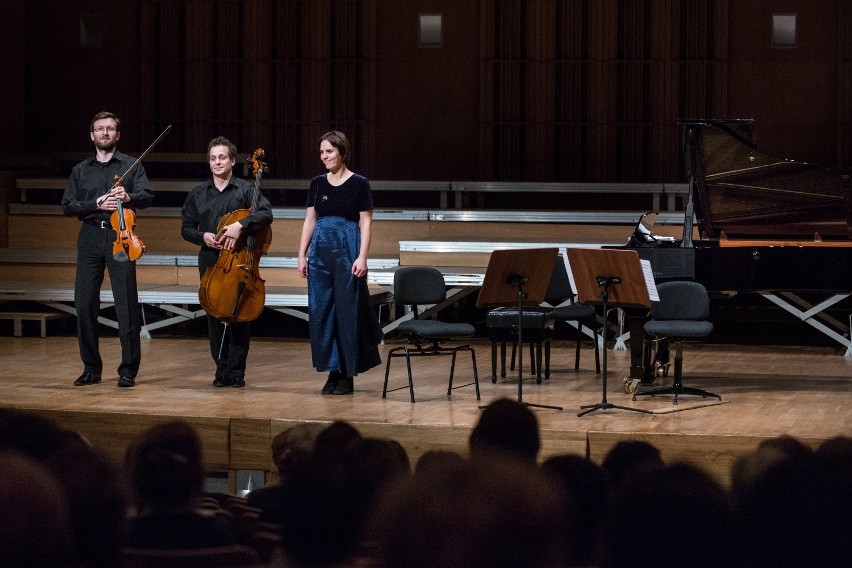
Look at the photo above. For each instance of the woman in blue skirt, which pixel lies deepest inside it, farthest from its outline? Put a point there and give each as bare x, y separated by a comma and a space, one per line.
345, 332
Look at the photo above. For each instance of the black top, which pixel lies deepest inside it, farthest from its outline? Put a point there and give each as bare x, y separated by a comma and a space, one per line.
91, 179
346, 200
205, 205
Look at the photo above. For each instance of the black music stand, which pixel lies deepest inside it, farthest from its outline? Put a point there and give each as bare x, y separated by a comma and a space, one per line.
518, 276
608, 277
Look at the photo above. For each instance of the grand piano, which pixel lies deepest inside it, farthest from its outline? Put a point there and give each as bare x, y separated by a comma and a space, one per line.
778, 227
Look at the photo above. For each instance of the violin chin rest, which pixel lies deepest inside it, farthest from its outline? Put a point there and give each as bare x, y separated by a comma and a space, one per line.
120, 256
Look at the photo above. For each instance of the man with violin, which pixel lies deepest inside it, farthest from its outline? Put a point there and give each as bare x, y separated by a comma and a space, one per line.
92, 194
206, 205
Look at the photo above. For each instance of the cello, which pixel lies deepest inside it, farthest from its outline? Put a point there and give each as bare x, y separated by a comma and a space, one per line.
128, 246
232, 290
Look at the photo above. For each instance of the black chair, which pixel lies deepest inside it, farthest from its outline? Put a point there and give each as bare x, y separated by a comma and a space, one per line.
419, 286
680, 314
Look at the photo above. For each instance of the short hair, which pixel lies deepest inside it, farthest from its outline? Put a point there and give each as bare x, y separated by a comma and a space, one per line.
166, 464
506, 426
222, 141
339, 140
104, 115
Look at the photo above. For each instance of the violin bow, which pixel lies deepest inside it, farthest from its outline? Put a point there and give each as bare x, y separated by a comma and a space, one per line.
145, 153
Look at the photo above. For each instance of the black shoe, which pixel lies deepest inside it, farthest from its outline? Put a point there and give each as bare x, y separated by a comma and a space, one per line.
126, 381
221, 381
238, 382
344, 386
87, 378
331, 383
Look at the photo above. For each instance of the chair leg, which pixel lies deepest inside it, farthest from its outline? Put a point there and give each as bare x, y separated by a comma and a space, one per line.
547, 359
494, 362
597, 349
410, 379
577, 349
677, 387
537, 359
503, 359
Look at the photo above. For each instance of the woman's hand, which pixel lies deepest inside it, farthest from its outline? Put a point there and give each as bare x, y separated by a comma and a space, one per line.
359, 267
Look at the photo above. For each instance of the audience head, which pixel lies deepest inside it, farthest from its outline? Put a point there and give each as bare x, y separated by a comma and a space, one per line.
294, 445
324, 502
336, 437
627, 457
506, 427
34, 527
383, 462
797, 514
166, 467
31, 434
434, 461
672, 516
96, 502
488, 513
790, 447
587, 499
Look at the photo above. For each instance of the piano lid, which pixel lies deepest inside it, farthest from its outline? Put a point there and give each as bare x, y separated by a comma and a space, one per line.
742, 192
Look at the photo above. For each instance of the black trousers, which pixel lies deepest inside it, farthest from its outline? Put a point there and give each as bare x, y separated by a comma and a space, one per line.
94, 254
229, 345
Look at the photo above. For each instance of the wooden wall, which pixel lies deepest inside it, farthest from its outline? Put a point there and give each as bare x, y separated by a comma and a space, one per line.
533, 90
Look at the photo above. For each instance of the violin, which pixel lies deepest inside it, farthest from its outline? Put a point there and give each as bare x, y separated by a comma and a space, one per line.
128, 246
232, 290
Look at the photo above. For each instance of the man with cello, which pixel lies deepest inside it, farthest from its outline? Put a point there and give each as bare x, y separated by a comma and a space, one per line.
92, 194
205, 206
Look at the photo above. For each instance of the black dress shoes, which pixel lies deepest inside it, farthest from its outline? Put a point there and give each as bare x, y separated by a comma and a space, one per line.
87, 378
126, 381
221, 381
238, 382
344, 386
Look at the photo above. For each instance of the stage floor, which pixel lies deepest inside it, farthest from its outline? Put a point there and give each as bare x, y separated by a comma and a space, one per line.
767, 391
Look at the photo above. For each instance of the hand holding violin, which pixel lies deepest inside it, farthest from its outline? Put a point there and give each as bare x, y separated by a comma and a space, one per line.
109, 201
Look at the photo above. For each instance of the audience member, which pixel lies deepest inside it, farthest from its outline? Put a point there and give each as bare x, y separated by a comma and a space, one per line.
490, 513
629, 457
336, 437
34, 527
587, 500
433, 462
167, 473
669, 517
290, 448
506, 427
797, 514
324, 505
97, 503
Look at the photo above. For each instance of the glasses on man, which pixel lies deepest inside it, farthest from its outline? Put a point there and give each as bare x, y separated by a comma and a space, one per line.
101, 129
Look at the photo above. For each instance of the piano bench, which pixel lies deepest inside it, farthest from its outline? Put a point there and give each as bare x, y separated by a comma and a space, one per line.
537, 332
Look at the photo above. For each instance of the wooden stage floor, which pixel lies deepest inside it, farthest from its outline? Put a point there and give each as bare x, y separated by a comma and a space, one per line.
766, 390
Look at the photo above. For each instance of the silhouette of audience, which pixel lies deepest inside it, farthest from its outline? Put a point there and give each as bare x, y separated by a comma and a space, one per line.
348, 500
505, 427
629, 457
586, 493
670, 517
167, 473
290, 448
35, 531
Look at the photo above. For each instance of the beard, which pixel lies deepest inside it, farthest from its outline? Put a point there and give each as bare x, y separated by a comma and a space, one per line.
108, 146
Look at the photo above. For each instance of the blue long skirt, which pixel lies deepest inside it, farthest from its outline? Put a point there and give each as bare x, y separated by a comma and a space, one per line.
345, 331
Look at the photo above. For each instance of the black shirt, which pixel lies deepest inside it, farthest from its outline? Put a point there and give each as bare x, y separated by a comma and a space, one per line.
346, 200
91, 179
205, 205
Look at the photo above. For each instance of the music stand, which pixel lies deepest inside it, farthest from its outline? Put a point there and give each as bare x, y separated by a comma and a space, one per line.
608, 277
518, 276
